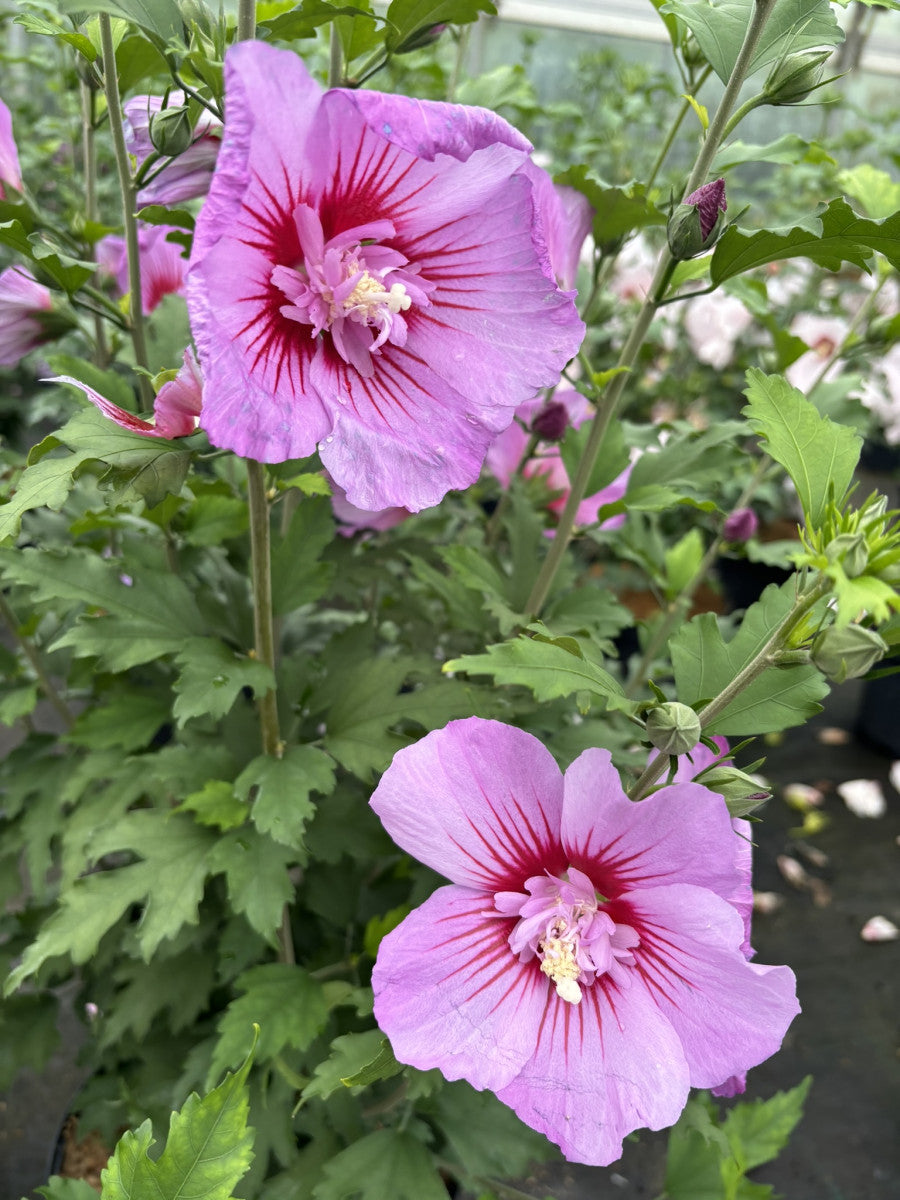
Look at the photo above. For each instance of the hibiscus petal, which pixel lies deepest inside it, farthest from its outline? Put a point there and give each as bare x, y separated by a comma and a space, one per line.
478, 801
449, 993
730, 1014
601, 1068
681, 833
122, 418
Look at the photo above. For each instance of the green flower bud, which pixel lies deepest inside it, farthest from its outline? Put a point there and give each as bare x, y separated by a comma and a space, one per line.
170, 131
848, 652
673, 728
695, 225
851, 551
795, 77
742, 792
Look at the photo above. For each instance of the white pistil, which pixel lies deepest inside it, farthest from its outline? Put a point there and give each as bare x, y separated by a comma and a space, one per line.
369, 295
559, 965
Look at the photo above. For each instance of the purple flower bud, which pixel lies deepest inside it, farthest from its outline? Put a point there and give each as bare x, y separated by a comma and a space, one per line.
709, 201
551, 422
740, 525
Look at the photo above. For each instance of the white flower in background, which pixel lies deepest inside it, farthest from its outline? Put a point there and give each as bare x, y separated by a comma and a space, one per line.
863, 797
879, 929
714, 323
880, 393
823, 335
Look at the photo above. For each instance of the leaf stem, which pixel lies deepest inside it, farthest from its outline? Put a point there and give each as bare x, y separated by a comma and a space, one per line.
129, 220
89, 169
30, 652
766, 657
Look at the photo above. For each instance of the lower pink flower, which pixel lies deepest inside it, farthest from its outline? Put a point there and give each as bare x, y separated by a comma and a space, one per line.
585, 962
22, 302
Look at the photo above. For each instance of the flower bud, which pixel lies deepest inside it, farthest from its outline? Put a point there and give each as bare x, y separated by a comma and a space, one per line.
693, 226
795, 77
740, 526
551, 422
851, 551
848, 652
170, 131
673, 728
422, 37
741, 792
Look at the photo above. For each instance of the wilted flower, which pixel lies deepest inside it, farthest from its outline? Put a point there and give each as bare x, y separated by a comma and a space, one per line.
10, 172
370, 278
505, 454
176, 408
22, 301
586, 961
174, 179
740, 525
163, 267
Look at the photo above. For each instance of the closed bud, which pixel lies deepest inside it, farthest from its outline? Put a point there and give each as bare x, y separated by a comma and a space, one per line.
695, 225
851, 551
673, 728
691, 53
170, 131
848, 652
422, 37
795, 77
741, 792
551, 422
740, 525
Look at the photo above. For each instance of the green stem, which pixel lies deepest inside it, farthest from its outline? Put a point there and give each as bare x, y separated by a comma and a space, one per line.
25, 645
745, 109
680, 605
129, 220
765, 658
673, 131
89, 168
462, 44
335, 58
607, 408
246, 20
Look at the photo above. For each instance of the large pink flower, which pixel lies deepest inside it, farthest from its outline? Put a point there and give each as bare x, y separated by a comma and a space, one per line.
22, 302
370, 277
585, 963
184, 177
10, 172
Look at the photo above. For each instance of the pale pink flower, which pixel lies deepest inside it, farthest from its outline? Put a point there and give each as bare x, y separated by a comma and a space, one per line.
163, 266
22, 301
823, 335
714, 323
10, 172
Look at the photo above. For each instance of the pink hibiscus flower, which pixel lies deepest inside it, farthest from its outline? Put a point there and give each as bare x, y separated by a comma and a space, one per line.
163, 266
176, 408
22, 302
10, 172
586, 962
174, 179
370, 278
505, 454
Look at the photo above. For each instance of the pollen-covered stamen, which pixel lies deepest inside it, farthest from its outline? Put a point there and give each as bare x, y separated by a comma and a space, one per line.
562, 922
351, 286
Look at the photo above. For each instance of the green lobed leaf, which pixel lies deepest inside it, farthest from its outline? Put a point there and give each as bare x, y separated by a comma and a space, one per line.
28, 1034
486, 1139
819, 455
704, 664
793, 25
874, 189
159, 17
58, 1188
128, 720
286, 1003
618, 210
831, 236
304, 20
358, 37
17, 703
384, 1163
759, 1131
548, 667
213, 676
298, 575
208, 1151
280, 790
216, 804
608, 465
688, 459
256, 873
355, 1060
789, 148
408, 19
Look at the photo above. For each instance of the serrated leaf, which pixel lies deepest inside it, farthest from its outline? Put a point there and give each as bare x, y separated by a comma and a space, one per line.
355, 1059
255, 870
758, 1131
793, 25
304, 20
129, 721
159, 17
58, 1188
608, 465
298, 575
384, 1163
280, 790
216, 804
28, 1034
874, 189
789, 148
547, 668
819, 455
830, 237
285, 1002
212, 676
408, 18
687, 459
17, 703
485, 1137
208, 1151
704, 664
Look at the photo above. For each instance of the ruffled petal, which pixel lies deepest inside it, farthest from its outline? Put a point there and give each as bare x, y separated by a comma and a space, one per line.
600, 1069
729, 1014
449, 993
679, 834
478, 801
125, 420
